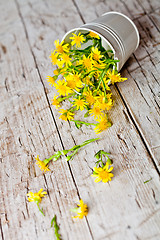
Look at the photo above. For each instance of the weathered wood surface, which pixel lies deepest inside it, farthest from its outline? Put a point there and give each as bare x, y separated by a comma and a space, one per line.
124, 209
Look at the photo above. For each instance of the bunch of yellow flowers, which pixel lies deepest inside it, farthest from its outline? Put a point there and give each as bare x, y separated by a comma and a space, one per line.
83, 77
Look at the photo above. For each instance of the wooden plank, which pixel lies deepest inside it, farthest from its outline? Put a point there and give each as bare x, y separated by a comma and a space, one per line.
126, 208
148, 5
27, 128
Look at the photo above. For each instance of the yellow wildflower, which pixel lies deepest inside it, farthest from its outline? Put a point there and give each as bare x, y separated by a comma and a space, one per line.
50, 80
93, 35
79, 103
77, 79
105, 102
66, 115
71, 83
66, 59
96, 55
113, 77
60, 63
103, 124
56, 72
53, 57
103, 173
41, 164
62, 87
61, 47
89, 97
81, 210
96, 111
55, 101
36, 197
87, 62
77, 39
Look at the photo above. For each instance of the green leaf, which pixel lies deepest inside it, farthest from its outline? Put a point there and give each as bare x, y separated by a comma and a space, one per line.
98, 154
78, 125
148, 180
56, 228
86, 114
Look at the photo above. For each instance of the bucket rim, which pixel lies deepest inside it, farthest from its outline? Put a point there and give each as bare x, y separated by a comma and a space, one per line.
90, 30
133, 24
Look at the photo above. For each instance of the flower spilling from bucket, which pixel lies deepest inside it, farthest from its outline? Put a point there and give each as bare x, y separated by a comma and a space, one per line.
85, 70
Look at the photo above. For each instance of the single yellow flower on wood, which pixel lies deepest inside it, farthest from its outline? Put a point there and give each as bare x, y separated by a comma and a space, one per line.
41, 164
37, 198
66, 115
77, 39
103, 173
81, 210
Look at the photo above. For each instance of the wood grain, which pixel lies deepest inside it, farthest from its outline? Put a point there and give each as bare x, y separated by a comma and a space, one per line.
126, 208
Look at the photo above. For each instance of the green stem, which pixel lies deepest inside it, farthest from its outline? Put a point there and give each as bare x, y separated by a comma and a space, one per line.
40, 209
83, 144
81, 122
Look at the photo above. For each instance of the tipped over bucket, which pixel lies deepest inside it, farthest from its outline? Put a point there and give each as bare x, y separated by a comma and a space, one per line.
117, 31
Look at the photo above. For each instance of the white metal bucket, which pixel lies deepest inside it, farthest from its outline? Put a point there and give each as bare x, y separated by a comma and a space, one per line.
117, 31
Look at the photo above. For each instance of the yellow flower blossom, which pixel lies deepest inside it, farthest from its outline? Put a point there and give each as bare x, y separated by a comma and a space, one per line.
79, 103
55, 101
77, 79
41, 164
77, 39
62, 87
36, 197
66, 115
93, 35
103, 124
61, 47
56, 72
87, 62
66, 59
105, 103
53, 57
96, 54
81, 210
50, 80
113, 77
96, 111
89, 97
60, 63
71, 83
103, 173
